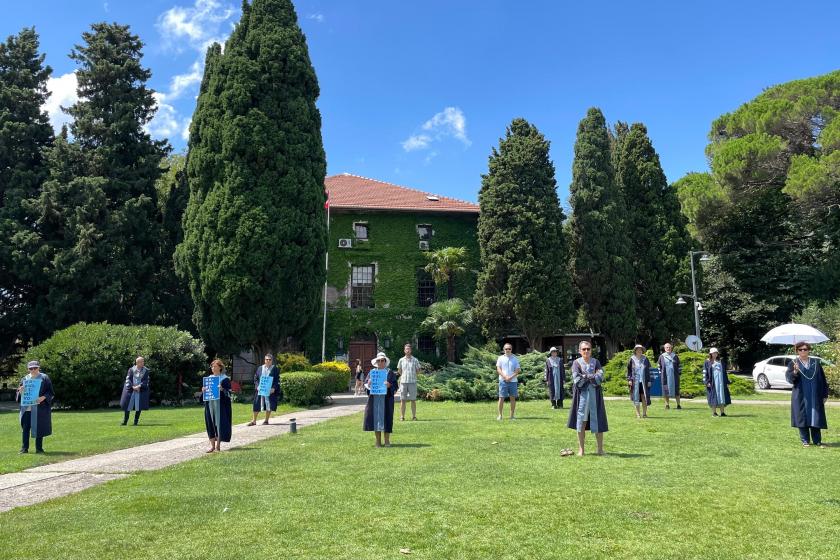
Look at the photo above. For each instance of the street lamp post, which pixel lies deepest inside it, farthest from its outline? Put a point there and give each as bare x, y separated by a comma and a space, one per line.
693, 296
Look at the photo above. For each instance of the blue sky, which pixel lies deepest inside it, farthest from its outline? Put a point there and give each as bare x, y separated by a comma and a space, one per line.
418, 92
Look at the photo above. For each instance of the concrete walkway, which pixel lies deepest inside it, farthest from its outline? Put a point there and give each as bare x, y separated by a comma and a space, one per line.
47, 482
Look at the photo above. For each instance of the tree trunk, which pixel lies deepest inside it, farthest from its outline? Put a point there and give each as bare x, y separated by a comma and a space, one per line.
450, 288
450, 348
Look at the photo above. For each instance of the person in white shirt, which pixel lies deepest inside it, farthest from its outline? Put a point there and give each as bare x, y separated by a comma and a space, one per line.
407, 369
508, 368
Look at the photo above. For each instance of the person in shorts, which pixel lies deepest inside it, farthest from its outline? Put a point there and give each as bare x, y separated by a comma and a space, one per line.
407, 369
508, 368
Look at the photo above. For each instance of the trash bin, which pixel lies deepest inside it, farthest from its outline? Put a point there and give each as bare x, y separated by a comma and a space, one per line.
655, 382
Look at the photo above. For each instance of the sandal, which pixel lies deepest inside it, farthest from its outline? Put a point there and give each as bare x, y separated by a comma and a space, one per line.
566, 452
265, 423
251, 424
806, 444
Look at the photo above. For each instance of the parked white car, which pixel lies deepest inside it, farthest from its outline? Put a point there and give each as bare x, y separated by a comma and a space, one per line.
771, 372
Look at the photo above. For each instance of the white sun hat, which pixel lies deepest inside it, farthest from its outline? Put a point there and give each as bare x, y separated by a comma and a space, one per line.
378, 357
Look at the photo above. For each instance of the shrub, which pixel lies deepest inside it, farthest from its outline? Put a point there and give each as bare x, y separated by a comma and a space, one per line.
337, 372
304, 388
88, 362
292, 362
832, 375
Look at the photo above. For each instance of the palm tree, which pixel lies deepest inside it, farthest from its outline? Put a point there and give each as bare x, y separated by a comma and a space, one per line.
446, 320
444, 264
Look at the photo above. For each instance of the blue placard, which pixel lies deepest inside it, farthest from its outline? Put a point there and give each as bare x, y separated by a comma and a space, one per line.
31, 392
378, 377
211, 388
265, 385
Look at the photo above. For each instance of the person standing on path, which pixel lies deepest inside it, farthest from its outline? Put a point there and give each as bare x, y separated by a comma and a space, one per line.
717, 382
508, 368
407, 369
807, 400
36, 420
379, 410
360, 378
638, 379
218, 414
555, 378
670, 371
588, 411
269, 403
135, 392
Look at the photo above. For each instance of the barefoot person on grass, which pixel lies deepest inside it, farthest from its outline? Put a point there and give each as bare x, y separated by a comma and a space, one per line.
638, 379
588, 411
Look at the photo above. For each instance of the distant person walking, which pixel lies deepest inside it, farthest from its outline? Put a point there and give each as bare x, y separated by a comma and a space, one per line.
261, 402
379, 410
807, 400
508, 368
407, 369
555, 378
218, 417
638, 379
717, 383
588, 411
670, 371
135, 392
36, 419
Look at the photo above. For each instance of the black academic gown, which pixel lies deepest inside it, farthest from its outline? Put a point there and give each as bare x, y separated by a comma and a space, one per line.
43, 410
389, 405
225, 427
125, 398
807, 400
275, 384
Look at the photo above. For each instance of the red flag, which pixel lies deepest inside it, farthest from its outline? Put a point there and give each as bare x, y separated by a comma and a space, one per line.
327, 203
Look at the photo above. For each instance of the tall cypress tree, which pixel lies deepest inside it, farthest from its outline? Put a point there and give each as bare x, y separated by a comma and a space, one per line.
25, 133
658, 240
603, 274
524, 281
99, 216
255, 226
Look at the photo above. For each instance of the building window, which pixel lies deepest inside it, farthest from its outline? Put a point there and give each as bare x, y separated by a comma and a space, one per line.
361, 286
425, 289
426, 344
360, 230
424, 232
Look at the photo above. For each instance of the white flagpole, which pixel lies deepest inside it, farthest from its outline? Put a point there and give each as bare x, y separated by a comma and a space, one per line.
326, 269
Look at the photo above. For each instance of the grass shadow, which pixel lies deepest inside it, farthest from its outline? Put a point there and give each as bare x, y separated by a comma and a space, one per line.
531, 418
625, 455
411, 445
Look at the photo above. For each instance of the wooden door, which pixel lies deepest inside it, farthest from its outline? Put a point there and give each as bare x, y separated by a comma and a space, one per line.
364, 350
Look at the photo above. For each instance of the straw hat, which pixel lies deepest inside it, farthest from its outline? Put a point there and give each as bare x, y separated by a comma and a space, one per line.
378, 357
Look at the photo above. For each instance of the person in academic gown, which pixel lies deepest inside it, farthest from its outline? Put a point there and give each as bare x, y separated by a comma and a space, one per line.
269, 403
670, 371
638, 379
218, 415
555, 378
807, 400
588, 411
379, 410
36, 420
135, 393
717, 383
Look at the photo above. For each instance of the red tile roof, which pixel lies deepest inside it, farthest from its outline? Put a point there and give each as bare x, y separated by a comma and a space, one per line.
360, 193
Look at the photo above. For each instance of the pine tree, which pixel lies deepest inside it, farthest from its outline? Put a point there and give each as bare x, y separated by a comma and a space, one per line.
255, 226
658, 241
600, 252
25, 133
524, 281
100, 227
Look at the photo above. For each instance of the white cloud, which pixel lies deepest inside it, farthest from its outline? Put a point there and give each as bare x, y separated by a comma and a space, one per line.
166, 122
449, 123
197, 25
63, 93
316, 17
185, 132
183, 82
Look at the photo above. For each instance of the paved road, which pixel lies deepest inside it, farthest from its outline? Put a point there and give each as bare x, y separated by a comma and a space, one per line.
46, 482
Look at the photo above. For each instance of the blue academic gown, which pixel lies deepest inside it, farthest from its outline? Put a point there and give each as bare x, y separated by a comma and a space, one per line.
586, 387
644, 388
807, 400
43, 411
225, 423
275, 384
712, 396
666, 390
145, 392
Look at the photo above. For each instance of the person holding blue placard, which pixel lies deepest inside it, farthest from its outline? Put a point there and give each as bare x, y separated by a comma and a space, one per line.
36, 395
265, 401
135, 393
218, 414
379, 411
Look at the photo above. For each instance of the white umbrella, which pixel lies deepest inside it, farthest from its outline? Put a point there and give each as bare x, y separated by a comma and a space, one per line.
792, 333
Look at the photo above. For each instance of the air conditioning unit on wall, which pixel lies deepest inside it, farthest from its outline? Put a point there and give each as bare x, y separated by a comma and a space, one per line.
424, 245
345, 243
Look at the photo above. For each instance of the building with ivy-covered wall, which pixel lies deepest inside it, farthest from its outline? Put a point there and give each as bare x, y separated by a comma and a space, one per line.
377, 291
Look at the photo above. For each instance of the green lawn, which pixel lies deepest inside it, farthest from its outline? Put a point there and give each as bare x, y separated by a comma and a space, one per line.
76, 434
458, 484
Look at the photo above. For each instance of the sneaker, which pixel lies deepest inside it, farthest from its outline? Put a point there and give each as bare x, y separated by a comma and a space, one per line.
499, 417
679, 407
23, 450
723, 414
513, 417
714, 413
39, 451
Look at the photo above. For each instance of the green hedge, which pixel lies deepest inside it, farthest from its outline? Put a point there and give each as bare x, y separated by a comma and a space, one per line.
338, 372
88, 362
292, 362
305, 388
